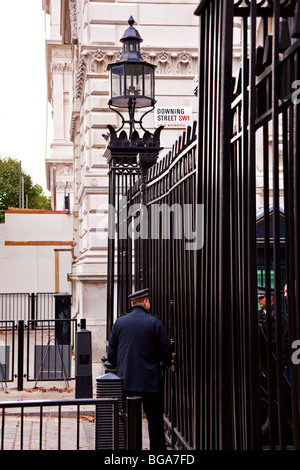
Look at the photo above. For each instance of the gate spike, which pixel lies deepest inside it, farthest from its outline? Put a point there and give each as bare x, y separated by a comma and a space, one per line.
267, 59
259, 60
284, 36
296, 22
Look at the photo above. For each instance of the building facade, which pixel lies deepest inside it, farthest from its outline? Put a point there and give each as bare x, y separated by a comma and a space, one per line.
35, 251
83, 37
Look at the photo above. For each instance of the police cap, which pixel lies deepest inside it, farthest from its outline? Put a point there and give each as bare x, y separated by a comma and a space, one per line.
139, 294
261, 291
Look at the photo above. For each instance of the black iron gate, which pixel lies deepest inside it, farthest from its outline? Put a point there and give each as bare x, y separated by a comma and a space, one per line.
165, 202
37, 351
228, 388
236, 361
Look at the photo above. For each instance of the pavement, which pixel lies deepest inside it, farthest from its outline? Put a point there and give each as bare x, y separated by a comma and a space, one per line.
51, 391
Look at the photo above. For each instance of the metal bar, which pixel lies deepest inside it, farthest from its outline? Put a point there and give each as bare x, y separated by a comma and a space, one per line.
3, 429
295, 284
241, 150
116, 423
43, 336
199, 278
276, 234
287, 133
41, 428
225, 287
42, 404
111, 255
20, 354
57, 403
78, 427
134, 423
255, 423
267, 255
22, 429
32, 304
59, 427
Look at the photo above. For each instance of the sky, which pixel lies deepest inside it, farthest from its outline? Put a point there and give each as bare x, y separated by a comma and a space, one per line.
23, 98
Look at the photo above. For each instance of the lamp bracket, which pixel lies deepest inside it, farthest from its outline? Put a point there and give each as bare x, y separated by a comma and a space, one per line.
131, 121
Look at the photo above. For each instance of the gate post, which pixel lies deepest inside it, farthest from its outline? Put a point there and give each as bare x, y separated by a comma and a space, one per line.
110, 433
33, 309
134, 423
84, 379
20, 354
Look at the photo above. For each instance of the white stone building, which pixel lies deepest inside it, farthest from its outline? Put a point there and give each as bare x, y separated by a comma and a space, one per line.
82, 39
35, 251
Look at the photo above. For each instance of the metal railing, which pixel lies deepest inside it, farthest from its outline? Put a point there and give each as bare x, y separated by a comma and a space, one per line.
45, 424
250, 125
229, 389
38, 350
15, 306
165, 266
49, 349
7, 351
27, 306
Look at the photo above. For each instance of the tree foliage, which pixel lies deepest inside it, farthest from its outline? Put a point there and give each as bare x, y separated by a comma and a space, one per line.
9, 188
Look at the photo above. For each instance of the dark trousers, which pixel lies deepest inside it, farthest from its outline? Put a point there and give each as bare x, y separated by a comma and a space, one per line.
153, 408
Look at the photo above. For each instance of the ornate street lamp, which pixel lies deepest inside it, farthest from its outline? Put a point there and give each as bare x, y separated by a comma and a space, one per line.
129, 156
131, 79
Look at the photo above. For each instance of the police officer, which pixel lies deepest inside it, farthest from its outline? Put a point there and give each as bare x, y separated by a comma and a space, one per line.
262, 320
138, 346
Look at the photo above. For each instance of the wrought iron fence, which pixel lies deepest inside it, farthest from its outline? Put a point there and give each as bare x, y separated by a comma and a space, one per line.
50, 350
165, 265
7, 351
235, 357
49, 424
230, 386
27, 306
14, 306
39, 350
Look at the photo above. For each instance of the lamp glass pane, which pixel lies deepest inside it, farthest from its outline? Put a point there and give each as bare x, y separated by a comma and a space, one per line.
149, 88
117, 81
134, 80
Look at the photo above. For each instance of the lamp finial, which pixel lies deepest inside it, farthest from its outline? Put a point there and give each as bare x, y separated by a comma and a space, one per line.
131, 21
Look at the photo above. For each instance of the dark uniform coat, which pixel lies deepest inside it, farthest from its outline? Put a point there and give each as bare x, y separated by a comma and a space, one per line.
262, 320
137, 345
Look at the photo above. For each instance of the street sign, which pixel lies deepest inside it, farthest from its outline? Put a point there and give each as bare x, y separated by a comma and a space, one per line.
173, 116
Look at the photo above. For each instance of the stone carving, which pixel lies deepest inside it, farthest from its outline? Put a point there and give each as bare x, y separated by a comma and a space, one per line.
61, 53
73, 21
81, 75
184, 65
57, 67
62, 185
163, 63
64, 169
99, 64
168, 63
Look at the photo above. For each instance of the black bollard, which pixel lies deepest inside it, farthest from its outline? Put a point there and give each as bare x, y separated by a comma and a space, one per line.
83, 373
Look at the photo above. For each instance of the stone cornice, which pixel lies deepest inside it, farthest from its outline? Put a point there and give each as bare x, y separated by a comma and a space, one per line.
46, 6
56, 53
87, 277
172, 63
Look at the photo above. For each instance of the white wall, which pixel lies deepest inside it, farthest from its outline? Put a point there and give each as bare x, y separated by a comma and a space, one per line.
28, 242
